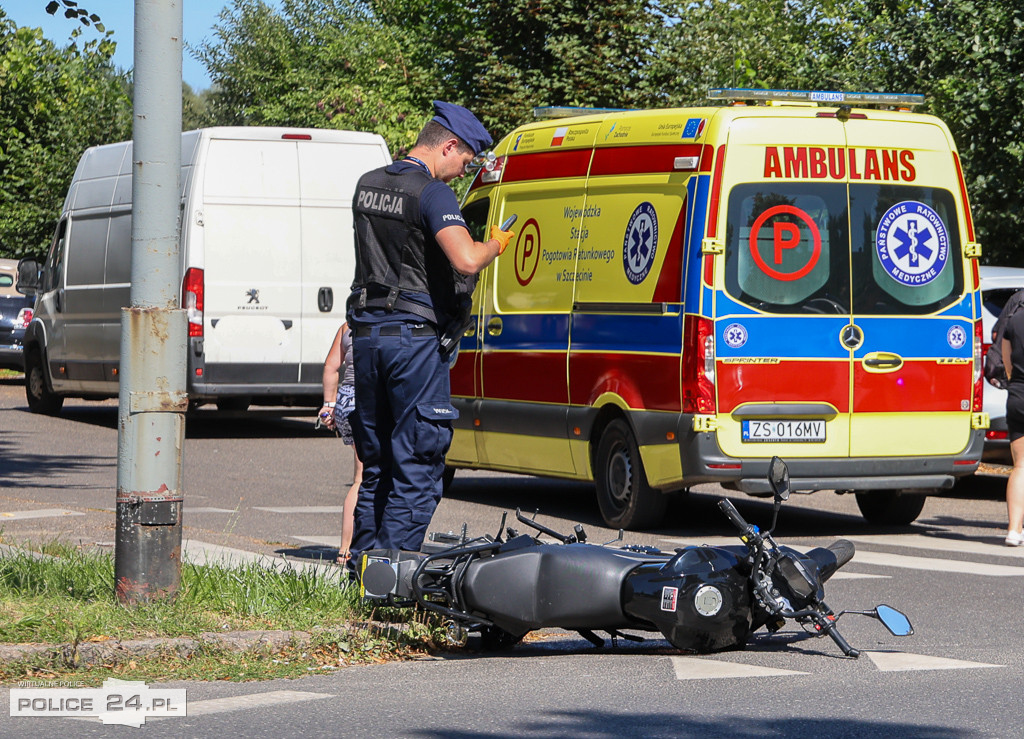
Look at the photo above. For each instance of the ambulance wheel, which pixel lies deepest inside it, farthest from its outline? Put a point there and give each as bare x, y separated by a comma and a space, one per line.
37, 387
625, 498
446, 478
890, 507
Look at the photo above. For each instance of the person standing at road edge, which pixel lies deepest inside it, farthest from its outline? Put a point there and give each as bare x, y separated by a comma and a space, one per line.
339, 403
413, 250
1013, 361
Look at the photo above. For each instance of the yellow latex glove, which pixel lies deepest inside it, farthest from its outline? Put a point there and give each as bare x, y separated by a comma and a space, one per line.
502, 237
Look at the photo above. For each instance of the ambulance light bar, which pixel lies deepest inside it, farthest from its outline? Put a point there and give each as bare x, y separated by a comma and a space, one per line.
568, 111
817, 96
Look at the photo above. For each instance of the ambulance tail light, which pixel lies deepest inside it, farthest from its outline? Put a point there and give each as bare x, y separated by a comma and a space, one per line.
192, 300
492, 170
978, 376
699, 365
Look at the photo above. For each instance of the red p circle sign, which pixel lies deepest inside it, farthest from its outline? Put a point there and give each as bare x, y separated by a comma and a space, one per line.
785, 235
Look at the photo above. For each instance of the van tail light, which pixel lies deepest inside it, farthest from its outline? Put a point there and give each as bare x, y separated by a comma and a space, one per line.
978, 376
192, 300
699, 365
24, 318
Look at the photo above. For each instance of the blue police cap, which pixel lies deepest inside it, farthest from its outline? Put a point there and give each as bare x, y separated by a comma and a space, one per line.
463, 124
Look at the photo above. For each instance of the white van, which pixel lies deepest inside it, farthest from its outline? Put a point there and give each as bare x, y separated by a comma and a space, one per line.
266, 263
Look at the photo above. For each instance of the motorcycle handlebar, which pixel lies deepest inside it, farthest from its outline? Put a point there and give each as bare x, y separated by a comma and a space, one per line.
725, 506
832, 631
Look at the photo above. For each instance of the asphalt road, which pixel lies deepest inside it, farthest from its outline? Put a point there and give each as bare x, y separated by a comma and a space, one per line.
270, 484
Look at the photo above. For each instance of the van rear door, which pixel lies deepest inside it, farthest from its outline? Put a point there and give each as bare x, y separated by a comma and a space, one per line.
329, 171
252, 261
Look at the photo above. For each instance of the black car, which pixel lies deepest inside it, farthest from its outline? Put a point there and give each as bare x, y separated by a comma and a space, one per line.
15, 314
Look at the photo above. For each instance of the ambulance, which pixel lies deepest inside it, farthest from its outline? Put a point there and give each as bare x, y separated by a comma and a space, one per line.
691, 292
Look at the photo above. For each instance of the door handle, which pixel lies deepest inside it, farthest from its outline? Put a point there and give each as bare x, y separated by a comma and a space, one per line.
325, 299
494, 326
882, 362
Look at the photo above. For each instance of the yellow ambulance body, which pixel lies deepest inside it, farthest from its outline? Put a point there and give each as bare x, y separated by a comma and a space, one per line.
693, 291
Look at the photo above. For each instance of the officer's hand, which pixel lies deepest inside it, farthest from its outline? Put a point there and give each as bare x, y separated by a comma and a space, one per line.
502, 237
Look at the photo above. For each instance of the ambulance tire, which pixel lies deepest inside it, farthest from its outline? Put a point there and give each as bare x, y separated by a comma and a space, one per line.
890, 507
447, 478
623, 495
37, 386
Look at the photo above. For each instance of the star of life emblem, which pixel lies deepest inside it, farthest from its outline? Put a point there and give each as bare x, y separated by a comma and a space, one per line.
640, 243
912, 243
735, 335
956, 337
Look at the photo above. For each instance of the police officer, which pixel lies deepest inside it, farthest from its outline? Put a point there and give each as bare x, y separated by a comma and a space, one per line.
412, 250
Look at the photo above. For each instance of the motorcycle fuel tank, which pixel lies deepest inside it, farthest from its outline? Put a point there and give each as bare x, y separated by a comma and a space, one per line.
699, 599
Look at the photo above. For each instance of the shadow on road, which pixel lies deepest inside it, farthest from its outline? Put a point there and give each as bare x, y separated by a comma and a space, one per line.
207, 424
689, 514
28, 470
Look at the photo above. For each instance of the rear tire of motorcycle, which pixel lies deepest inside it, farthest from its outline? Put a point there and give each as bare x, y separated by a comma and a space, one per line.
493, 639
625, 498
890, 507
37, 386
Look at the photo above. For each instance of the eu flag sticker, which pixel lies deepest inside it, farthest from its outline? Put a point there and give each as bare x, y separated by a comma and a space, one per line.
693, 128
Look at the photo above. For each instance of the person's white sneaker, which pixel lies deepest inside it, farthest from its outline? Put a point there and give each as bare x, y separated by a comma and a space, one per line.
1014, 538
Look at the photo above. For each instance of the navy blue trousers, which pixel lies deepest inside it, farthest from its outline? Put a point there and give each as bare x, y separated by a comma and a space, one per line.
402, 428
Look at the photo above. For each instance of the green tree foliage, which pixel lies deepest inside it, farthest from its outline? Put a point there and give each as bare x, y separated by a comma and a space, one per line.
502, 58
54, 102
317, 63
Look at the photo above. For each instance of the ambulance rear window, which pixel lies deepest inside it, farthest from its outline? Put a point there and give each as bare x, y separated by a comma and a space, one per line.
801, 248
786, 247
906, 254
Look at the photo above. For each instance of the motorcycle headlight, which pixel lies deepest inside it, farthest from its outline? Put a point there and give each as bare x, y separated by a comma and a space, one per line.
799, 577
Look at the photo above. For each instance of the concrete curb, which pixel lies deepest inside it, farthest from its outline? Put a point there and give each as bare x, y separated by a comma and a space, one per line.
115, 651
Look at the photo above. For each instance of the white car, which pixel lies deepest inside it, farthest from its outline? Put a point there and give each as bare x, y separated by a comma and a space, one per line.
997, 285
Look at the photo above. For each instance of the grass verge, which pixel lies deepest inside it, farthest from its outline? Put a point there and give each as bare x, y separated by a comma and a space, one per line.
66, 597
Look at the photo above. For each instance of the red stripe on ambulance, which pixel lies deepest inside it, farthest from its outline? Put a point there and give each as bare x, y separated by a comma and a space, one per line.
594, 373
820, 381
838, 163
546, 165
532, 377
918, 386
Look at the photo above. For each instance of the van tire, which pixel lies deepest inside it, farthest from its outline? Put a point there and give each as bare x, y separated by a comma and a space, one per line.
235, 404
890, 507
37, 386
623, 495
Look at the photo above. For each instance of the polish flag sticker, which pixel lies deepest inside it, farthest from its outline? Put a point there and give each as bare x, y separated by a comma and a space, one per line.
559, 136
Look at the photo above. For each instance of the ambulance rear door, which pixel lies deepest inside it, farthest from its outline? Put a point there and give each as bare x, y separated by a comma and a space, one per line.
783, 374
912, 328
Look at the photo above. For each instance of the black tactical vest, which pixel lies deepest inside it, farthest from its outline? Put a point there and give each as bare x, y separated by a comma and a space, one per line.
393, 254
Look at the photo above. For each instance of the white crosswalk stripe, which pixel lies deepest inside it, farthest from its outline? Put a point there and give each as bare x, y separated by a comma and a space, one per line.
42, 513
905, 661
903, 561
698, 668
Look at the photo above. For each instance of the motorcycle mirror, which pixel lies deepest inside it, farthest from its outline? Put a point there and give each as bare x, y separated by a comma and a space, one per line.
895, 621
778, 478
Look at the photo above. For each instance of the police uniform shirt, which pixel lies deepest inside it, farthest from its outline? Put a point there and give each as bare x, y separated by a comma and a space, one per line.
439, 209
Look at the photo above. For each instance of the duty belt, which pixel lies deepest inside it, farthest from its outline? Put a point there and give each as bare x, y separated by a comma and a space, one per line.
394, 329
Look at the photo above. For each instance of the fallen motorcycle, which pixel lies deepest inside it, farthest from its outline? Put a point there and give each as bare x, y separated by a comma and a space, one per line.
700, 598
